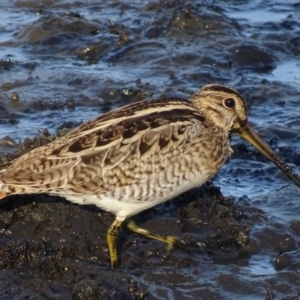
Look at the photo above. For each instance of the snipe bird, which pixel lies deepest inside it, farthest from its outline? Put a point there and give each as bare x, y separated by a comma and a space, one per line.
137, 156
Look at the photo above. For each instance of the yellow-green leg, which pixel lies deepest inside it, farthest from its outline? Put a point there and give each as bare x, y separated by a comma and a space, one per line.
112, 235
167, 239
113, 231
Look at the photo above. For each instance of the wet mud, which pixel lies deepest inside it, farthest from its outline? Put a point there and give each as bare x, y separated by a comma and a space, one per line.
65, 62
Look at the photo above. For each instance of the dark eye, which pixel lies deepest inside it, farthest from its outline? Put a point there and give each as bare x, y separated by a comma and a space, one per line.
230, 103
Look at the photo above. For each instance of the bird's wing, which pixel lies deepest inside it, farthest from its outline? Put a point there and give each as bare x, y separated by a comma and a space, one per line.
114, 141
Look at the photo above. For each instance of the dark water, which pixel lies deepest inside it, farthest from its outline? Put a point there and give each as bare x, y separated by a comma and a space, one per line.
63, 62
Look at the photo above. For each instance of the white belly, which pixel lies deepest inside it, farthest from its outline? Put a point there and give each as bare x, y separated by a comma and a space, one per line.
130, 200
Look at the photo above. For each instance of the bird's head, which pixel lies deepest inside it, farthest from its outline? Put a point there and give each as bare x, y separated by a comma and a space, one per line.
224, 108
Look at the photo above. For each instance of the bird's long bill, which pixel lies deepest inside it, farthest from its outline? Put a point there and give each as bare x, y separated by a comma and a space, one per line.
249, 135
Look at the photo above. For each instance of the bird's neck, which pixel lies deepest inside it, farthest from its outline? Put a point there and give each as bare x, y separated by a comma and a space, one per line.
216, 120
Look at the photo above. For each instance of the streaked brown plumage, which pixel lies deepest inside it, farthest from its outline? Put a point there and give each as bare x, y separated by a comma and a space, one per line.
139, 155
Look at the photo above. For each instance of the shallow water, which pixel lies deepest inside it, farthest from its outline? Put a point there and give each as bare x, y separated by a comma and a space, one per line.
70, 61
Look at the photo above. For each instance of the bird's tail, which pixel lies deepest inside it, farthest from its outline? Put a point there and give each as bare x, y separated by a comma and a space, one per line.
3, 169
2, 195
